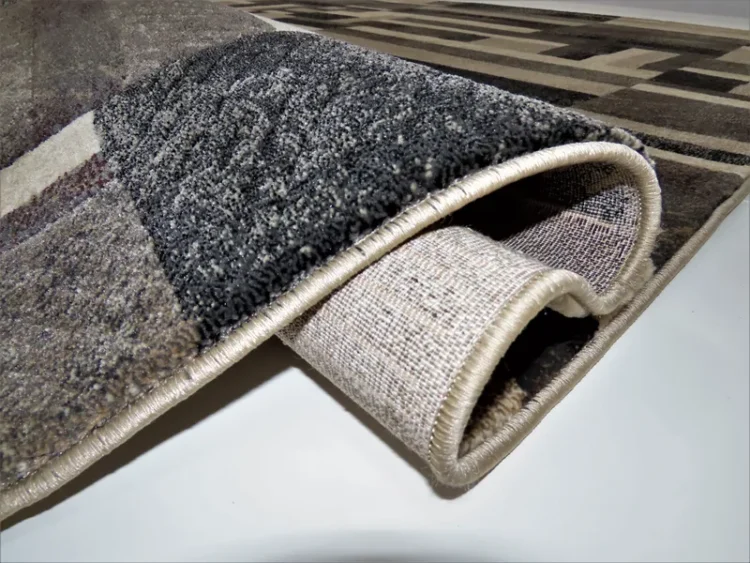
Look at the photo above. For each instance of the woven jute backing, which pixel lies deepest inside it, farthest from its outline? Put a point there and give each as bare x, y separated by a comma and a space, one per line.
398, 336
447, 433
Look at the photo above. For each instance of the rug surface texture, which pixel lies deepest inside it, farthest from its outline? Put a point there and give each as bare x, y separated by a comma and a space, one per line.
450, 210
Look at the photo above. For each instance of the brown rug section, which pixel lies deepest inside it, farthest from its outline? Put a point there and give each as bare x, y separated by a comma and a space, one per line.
93, 289
683, 89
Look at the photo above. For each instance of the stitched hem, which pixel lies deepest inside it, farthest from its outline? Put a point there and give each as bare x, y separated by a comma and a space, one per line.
321, 282
458, 405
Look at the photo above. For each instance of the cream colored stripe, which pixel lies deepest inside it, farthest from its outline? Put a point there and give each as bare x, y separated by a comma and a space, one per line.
393, 16
717, 73
283, 26
517, 44
544, 79
682, 28
692, 96
629, 58
353, 16
35, 170
445, 27
511, 16
741, 55
742, 90
716, 143
400, 17
640, 60
741, 171
475, 46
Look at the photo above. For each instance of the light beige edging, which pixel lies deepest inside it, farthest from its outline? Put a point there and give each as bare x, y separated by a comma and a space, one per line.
306, 294
451, 421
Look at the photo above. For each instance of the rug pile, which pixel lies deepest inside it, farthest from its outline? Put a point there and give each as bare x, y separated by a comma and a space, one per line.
187, 181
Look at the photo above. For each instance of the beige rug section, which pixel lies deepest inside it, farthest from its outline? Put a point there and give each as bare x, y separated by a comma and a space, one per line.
34, 171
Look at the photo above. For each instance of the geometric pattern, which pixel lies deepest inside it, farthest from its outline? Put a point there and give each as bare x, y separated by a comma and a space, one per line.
683, 89
110, 304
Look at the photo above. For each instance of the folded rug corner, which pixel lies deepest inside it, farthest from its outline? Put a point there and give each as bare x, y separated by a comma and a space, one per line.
454, 257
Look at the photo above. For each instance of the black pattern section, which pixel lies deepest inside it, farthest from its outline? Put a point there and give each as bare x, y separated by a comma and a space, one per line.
673, 63
704, 118
255, 162
544, 347
722, 66
698, 151
557, 96
693, 196
662, 40
694, 80
581, 51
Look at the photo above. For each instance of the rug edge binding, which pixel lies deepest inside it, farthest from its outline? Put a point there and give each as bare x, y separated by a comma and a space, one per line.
344, 266
522, 423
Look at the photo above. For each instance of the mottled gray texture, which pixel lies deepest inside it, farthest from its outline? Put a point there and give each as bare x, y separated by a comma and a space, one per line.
60, 59
57, 199
252, 163
88, 322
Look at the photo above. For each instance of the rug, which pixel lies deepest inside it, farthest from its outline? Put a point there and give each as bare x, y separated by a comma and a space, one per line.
681, 89
185, 183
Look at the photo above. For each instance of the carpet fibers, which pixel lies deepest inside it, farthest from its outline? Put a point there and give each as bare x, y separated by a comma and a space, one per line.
451, 210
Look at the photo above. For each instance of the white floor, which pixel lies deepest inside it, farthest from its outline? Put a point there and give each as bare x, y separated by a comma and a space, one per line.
719, 13
647, 459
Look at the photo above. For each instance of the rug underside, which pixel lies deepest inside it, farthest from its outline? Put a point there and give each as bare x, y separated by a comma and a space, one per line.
214, 200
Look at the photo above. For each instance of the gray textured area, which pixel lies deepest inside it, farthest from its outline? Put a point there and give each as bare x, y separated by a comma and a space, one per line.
60, 59
88, 323
57, 199
254, 162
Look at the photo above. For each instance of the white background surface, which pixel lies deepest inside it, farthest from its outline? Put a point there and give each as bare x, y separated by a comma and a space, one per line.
647, 459
720, 13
